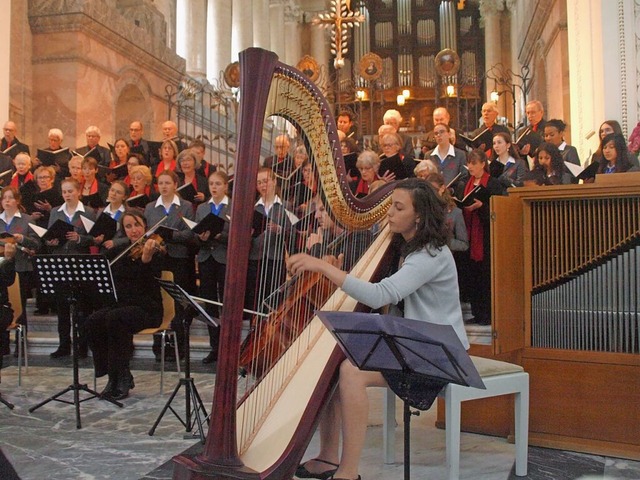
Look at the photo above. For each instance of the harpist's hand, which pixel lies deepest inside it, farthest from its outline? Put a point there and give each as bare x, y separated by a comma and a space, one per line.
335, 261
304, 263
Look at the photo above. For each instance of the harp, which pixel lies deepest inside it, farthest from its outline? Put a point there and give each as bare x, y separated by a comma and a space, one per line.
265, 433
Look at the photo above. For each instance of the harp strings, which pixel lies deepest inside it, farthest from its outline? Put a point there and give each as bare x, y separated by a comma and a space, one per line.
290, 302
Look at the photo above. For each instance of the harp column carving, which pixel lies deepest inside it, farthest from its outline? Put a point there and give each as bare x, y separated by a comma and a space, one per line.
218, 37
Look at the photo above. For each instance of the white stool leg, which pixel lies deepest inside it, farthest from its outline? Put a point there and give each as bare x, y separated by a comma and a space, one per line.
452, 431
163, 340
20, 352
389, 426
521, 403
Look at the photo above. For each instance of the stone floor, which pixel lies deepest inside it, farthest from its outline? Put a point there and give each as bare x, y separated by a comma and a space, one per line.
114, 443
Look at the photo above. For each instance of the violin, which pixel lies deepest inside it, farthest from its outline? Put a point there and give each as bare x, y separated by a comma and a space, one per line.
136, 251
13, 241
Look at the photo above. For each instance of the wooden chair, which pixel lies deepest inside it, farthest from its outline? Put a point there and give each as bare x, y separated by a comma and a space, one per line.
21, 332
164, 330
500, 378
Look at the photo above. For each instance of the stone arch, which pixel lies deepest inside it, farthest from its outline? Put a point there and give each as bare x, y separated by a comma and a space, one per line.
133, 94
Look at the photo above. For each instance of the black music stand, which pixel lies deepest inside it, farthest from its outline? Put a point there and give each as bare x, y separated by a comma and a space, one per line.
192, 397
416, 358
66, 276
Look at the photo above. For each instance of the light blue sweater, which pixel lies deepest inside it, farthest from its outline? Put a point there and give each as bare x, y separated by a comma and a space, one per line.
428, 284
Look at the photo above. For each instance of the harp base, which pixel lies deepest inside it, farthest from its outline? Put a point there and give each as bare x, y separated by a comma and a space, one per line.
188, 467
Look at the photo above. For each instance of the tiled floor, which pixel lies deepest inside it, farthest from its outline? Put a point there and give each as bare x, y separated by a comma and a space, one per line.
114, 443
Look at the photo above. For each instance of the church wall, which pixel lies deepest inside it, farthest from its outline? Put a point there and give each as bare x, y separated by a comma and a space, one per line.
85, 60
20, 70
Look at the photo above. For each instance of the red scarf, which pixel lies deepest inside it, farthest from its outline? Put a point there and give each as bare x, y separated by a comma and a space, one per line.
15, 179
161, 168
474, 224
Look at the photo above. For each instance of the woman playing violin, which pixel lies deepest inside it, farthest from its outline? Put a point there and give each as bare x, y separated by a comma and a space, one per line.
110, 330
15, 223
212, 256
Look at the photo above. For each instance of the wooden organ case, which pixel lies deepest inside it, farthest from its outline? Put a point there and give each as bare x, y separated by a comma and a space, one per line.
566, 301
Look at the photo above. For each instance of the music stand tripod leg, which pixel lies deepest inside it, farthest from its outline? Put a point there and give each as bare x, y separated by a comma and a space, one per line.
6, 403
192, 398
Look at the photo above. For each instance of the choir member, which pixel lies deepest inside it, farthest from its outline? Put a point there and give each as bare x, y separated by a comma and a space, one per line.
115, 208
75, 169
368, 164
110, 330
7, 277
451, 161
179, 260
281, 163
15, 222
55, 138
394, 120
477, 218
142, 183
138, 144
23, 179
168, 157
188, 174
10, 143
506, 164
548, 160
101, 154
170, 132
94, 192
426, 285
212, 255
77, 241
615, 155
392, 159
489, 117
424, 168
554, 134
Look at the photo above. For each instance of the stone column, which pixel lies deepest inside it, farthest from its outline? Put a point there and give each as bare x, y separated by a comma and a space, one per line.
5, 51
218, 38
293, 47
491, 11
261, 24
242, 27
277, 34
320, 51
193, 15
168, 9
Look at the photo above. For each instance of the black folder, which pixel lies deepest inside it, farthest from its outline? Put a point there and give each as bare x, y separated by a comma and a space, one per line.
166, 232
583, 173
211, 223
529, 137
479, 192
139, 201
94, 200
93, 153
188, 192
485, 137
258, 223
105, 225
58, 230
57, 157
121, 171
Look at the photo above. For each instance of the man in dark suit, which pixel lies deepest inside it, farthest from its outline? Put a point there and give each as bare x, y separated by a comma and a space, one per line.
170, 132
137, 144
101, 154
489, 117
281, 163
441, 116
9, 140
531, 136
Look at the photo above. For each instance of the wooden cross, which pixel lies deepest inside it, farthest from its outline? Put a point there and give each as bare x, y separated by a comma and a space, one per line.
339, 19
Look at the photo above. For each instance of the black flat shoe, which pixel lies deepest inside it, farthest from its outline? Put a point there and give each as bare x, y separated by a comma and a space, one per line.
210, 358
61, 352
109, 389
302, 472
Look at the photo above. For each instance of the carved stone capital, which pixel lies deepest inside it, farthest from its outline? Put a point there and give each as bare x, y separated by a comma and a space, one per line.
490, 8
292, 12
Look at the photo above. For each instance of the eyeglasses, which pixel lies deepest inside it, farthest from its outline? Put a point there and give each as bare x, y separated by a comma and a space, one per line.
43, 177
387, 145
